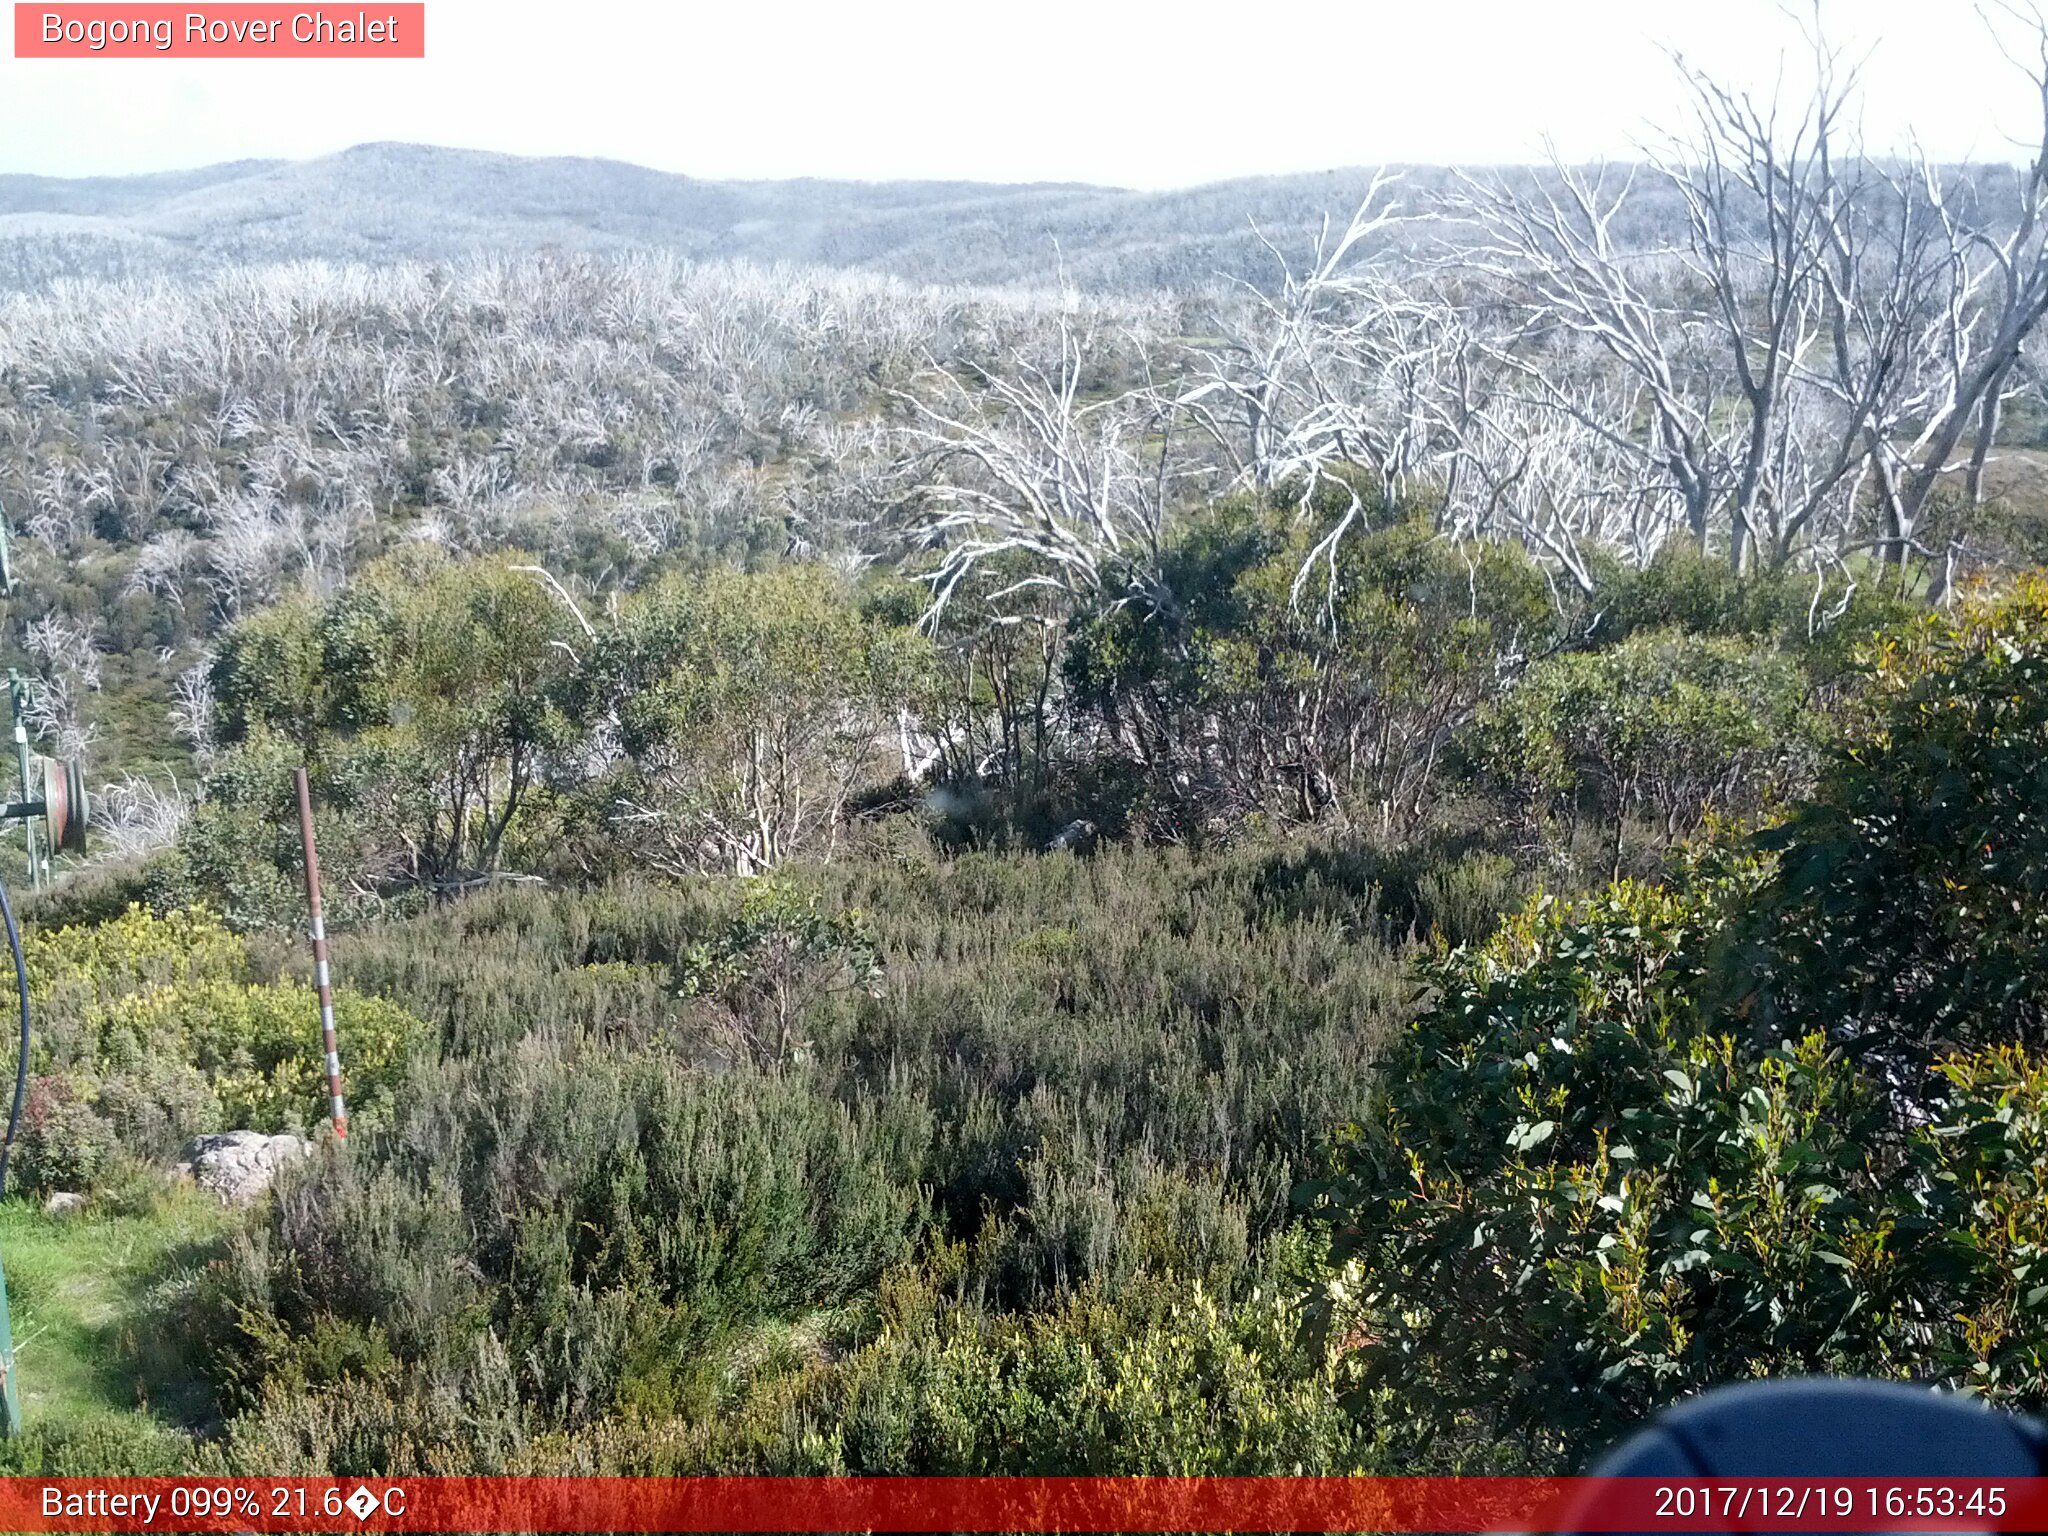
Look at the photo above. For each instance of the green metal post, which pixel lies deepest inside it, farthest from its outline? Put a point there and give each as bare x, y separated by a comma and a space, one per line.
14, 700
10, 1398
28, 826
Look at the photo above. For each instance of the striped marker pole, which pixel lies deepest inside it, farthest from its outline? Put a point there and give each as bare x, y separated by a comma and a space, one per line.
321, 977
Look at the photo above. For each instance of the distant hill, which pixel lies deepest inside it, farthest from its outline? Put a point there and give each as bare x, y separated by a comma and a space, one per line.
388, 201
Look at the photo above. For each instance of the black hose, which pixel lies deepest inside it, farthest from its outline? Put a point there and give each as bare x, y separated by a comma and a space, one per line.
21, 1067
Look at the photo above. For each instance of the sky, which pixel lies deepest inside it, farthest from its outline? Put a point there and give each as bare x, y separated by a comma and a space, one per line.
1133, 93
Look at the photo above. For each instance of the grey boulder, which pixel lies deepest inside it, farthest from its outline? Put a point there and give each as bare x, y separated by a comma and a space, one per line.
239, 1166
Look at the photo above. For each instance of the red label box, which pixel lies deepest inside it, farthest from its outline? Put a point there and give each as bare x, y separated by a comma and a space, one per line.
226, 31
381, 1506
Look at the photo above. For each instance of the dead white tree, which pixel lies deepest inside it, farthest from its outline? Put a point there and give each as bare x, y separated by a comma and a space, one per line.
1982, 284
1018, 464
1557, 486
1761, 189
138, 815
1269, 392
67, 672
1829, 333
1552, 257
1349, 364
194, 711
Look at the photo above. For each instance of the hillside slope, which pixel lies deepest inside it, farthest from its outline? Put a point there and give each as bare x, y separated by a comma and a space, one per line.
387, 201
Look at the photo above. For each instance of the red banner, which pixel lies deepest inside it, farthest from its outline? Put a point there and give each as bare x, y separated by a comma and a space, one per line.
225, 31
1033, 1504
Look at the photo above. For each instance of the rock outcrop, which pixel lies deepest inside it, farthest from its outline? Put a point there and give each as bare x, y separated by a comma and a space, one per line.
239, 1166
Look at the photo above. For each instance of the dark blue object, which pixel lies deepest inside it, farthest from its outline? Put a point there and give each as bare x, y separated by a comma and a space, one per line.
1830, 1427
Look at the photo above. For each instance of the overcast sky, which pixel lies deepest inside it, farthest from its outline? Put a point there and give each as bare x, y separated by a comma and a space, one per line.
1146, 93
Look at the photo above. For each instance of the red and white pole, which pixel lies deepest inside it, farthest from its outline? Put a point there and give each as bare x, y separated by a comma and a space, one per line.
322, 979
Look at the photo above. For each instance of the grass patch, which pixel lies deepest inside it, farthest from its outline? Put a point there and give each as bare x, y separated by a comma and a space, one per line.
80, 1290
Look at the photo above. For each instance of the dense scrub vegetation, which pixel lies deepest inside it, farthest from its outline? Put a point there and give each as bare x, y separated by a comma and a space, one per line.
151, 1030
920, 1149
1658, 1138
995, 882
1076, 1084
811, 1013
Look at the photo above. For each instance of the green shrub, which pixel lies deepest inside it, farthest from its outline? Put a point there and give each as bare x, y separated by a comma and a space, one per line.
1197, 1387
1166, 1379
1819, 621
1979, 1193
106, 1445
64, 1141
783, 953
258, 1047
74, 971
748, 705
1584, 1195
100, 893
1462, 899
1666, 726
1301, 702
157, 1103
1579, 1200
152, 1031
610, 1214
1909, 914
1078, 1077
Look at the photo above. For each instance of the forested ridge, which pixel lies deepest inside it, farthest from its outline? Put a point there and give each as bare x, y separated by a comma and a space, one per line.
1378, 870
